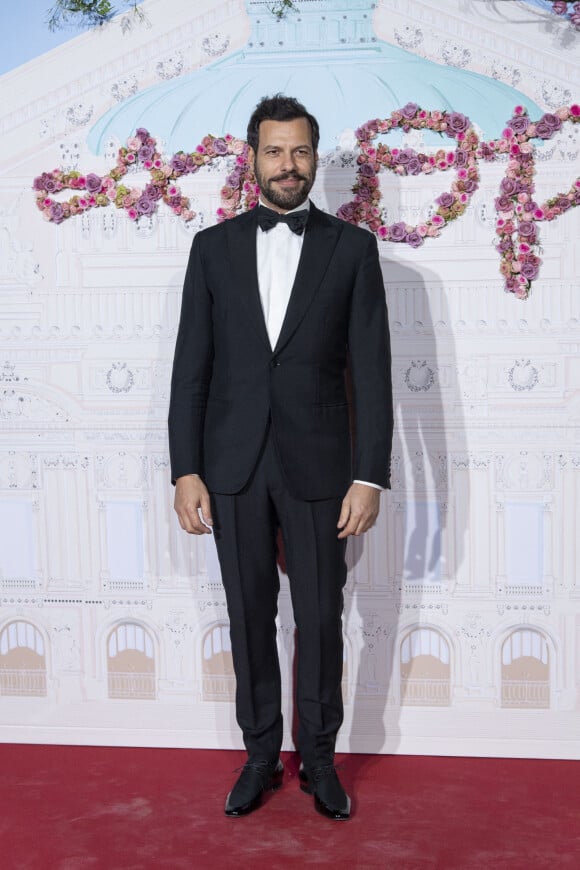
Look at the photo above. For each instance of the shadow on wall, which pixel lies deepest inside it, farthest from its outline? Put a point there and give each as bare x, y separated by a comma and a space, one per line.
414, 553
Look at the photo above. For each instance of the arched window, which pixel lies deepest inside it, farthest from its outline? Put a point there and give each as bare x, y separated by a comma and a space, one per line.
525, 670
131, 662
22, 660
217, 666
425, 668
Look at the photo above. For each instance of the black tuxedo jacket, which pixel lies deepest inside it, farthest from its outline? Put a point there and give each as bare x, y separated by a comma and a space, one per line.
228, 382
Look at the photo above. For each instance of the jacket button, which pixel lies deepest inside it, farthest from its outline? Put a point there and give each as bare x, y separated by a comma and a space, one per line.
274, 364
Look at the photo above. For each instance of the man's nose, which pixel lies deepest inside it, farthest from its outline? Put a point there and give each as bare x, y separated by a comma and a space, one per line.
288, 162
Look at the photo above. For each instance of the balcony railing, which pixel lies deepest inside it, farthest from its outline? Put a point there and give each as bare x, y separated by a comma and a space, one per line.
221, 687
431, 693
14, 681
131, 685
525, 693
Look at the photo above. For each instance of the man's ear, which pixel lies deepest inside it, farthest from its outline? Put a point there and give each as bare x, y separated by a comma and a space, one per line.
251, 157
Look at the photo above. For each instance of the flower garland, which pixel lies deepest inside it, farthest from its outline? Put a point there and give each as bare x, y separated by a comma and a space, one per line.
518, 212
141, 152
518, 245
364, 208
570, 9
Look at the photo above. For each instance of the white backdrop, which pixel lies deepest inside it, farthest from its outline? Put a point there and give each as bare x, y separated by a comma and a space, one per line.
463, 604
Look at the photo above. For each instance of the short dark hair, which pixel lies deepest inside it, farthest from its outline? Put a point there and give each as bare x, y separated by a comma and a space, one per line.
279, 108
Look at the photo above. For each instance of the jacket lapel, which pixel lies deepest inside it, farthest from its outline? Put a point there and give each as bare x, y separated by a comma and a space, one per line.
319, 243
242, 250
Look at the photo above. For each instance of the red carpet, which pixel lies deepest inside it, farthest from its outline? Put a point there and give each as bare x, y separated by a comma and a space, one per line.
71, 808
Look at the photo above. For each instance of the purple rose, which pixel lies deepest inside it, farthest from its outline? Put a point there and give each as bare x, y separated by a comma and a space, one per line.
40, 181
152, 192
397, 232
563, 202
529, 270
414, 239
414, 166
145, 152
504, 245
93, 183
470, 185
144, 205
142, 133
446, 200
366, 170
220, 147
552, 121
178, 163
57, 212
560, 7
509, 186
503, 203
527, 229
50, 184
519, 123
409, 111
364, 194
346, 212
405, 155
543, 130
457, 123
460, 157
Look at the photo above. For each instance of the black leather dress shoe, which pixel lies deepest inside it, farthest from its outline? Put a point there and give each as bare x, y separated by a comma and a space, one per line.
330, 798
256, 778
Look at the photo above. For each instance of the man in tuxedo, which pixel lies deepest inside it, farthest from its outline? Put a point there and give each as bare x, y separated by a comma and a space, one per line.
277, 304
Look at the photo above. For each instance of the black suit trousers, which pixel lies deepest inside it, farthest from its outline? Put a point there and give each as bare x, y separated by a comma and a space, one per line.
246, 526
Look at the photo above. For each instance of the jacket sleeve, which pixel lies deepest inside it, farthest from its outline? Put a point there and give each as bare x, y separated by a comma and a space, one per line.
370, 367
192, 369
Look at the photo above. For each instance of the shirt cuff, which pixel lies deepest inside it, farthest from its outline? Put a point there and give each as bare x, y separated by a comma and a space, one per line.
366, 483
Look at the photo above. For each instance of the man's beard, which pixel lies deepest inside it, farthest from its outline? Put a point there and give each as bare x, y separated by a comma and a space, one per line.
285, 199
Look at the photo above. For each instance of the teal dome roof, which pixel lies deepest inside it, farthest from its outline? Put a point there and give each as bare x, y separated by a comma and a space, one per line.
327, 56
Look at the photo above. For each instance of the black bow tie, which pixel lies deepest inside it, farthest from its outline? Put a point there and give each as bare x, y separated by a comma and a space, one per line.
296, 220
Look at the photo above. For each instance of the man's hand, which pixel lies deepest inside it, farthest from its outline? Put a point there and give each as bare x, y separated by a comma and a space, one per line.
191, 495
360, 508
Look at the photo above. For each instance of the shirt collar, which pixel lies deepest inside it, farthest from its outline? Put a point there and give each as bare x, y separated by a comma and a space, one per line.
305, 206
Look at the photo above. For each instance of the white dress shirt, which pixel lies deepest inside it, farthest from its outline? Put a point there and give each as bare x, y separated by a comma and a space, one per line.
278, 254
